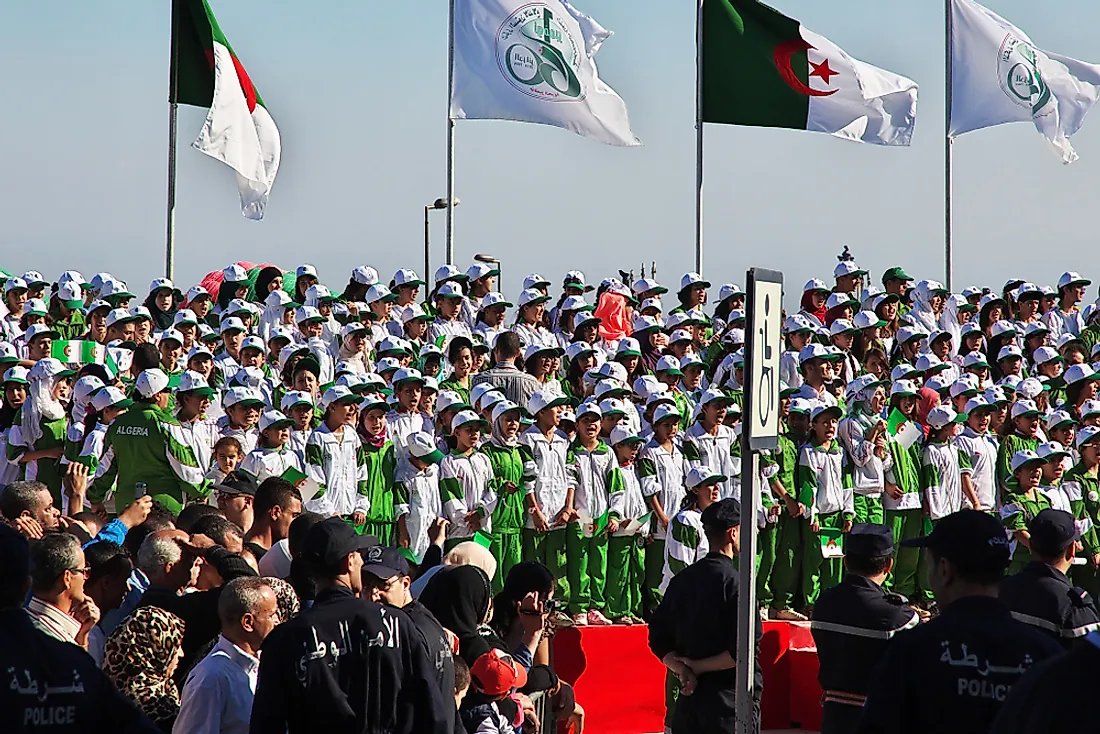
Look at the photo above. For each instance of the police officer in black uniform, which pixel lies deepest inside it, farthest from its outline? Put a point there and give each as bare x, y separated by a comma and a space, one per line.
1041, 594
47, 685
346, 664
694, 631
951, 675
852, 624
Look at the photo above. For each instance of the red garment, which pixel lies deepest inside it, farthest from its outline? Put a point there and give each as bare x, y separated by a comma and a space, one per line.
927, 399
611, 310
808, 304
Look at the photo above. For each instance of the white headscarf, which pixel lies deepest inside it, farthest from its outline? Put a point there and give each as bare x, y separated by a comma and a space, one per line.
922, 314
41, 404
949, 321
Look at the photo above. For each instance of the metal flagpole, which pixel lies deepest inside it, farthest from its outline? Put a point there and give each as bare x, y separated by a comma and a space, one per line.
947, 147
450, 136
699, 139
173, 108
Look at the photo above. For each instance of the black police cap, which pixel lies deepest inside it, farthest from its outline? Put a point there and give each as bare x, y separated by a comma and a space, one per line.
330, 541
1052, 531
867, 540
722, 515
385, 563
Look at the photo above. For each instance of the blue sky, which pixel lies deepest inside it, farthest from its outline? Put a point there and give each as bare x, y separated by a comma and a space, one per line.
358, 90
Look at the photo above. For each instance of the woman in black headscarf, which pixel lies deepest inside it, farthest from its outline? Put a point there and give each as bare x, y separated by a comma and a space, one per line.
461, 598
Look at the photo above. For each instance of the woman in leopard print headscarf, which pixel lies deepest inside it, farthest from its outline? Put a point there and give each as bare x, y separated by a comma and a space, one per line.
140, 657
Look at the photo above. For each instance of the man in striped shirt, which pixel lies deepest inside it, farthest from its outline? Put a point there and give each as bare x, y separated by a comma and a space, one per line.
58, 605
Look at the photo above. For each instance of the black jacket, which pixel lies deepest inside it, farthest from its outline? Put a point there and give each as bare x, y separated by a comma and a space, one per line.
852, 624
439, 652
49, 685
1056, 697
697, 618
347, 666
1044, 598
951, 675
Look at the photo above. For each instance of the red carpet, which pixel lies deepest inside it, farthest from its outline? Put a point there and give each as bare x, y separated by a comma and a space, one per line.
621, 685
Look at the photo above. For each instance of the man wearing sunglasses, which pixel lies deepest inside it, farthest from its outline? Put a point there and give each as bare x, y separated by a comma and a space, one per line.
58, 605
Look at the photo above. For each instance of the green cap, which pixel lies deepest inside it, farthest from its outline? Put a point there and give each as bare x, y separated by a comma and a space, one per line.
895, 274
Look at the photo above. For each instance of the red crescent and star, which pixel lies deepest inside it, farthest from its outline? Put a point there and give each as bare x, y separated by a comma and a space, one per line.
782, 57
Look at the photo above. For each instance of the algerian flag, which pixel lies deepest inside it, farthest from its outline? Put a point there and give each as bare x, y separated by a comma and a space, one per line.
238, 130
832, 542
998, 76
763, 69
78, 351
904, 431
534, 62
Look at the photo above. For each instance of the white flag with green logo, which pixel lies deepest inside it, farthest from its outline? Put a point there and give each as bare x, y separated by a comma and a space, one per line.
534, 62
998, 76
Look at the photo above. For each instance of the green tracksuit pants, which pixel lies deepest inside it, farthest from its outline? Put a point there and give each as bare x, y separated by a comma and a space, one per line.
654, 571
549, 549
905, 524
625, 576
820, 573
765, 562
587, 570
869, 509
791, 535
507, 548
386, 532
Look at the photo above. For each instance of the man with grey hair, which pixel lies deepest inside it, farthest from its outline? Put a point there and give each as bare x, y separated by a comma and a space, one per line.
58, 605
28, 506
217, 698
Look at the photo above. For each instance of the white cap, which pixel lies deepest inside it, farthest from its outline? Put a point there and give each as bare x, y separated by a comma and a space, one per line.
574, 303
191, 380
702, 475
669, 364
253, 342
1085, 435
407, 374
69, 292
1030, 388
1072, 278
530, 295
645, 285
975, 359
422, 446
665, 411
12, 284
797, 322
109, 397
590, 406
450, 289
199, 350
612, 406
116, 315
1058, 418
820, 407
140, 313
236, 395
493, 299
234, 274
406, 277
963, 385
1079, 372
477, 271
976, 403
196, 291
448, 272
230, 324
463, 417
941, 415
184, 317
1002, 327
1042, 355
693, 279
450, 398
274, 418
545, 398
364, 275
534, 280
159, 284
847, 267
903, 387
866, 320
151, 382
621, 434
1009, 351
1020, 458
307, 313
295, 398
1024, 407
339, 394
306, 270
173, 335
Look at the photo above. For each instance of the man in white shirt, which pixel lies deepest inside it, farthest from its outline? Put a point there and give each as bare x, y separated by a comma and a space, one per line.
217, 697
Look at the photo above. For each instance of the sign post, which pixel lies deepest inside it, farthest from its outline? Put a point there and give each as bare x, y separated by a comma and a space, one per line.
759, 432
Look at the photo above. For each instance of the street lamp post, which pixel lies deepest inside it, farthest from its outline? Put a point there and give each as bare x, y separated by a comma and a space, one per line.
436, 205
490, 260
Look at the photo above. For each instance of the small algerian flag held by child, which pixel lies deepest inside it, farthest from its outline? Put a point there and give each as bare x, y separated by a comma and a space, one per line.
483, 539
238, 130
77, 351
904, 431
763, 69
832, 542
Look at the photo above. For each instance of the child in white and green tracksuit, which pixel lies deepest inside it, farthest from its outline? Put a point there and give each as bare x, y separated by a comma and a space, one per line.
550, 499
686, 541
336, 461
625, 548
661, 468
597, 478
272, 456
824, 479
464, 477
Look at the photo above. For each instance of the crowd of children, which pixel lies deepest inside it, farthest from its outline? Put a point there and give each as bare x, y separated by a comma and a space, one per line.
900, 405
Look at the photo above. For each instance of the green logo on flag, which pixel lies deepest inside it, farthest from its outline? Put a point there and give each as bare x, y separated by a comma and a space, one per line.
538, 55
1018, 63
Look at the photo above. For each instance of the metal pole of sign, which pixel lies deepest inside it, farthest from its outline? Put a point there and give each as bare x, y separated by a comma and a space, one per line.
173, 107
760, 432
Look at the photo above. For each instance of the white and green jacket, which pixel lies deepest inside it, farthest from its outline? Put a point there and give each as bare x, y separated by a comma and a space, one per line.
339, 465
686, 544
662, 475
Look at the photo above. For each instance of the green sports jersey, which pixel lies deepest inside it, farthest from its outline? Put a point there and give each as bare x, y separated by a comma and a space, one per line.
456, 386
147, 444
510, 464
1012, 443
47, 471
379, 485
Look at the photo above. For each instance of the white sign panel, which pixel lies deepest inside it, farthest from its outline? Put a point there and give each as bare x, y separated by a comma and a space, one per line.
765, 344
